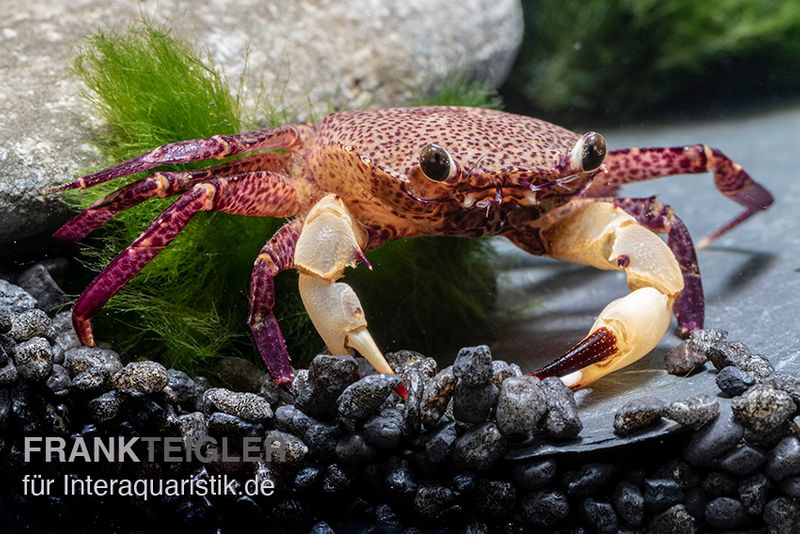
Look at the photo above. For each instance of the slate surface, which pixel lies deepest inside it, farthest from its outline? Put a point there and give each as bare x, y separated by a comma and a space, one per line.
751, 276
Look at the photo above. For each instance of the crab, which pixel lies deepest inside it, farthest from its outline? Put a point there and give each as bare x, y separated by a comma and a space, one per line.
362, 178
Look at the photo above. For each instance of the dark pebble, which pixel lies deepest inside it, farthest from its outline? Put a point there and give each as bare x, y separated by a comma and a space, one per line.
781, 515
495, 498
436, 397
34, 359
680, 471
638, 414
412, 405
588, 480
58, 381
321, 528
785, 382
365, 397
14, 298
81, 359
223, 424
386, 519
725, 353
473, 365
105, 407
732, 381
141, 378
790, 487
249, 406
400, 480
717, 484
714, 439
685, 358
384, 430
561, 419
742, 460
600, 515
464, 483
95, 380
661, 493
725, 512
29, 324
674, 520
336, 480
520, 406
695, 500
321, 439
502, 370
193, 427
38, 282
405, 361
544, 508
354, 450
182, 386
535, 475
437, 445
307, 478
288, 449
763, 408
629, 503
8, 371
753, 492
327, 378
784, 459
474, 404
147, 415
290, 419
694, 412
479, 448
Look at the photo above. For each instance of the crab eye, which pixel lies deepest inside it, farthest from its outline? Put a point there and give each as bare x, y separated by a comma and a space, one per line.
436, 162
593, 151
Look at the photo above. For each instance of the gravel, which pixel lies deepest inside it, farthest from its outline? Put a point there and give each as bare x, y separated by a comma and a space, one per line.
474, 404
561, 420
521, 405
544, 508
725, 512
629, 503
714, 439
535, 475
661, 493
473, 365
248, 406
733, 381
141, 378
364, 397
637, 415
438, 393
479, 448
599, 515
694, 412
763, 408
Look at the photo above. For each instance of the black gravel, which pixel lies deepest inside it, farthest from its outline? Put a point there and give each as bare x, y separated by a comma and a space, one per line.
358, 454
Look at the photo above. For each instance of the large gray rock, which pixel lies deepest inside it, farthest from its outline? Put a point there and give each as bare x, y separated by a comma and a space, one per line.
311, 56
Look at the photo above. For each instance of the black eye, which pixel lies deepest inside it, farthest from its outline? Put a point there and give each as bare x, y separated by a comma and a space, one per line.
435, 162
593, 151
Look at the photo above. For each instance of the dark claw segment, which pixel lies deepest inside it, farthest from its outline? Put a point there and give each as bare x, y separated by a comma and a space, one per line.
594, 348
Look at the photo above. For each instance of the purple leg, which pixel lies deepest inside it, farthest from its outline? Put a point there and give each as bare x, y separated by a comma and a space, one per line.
690, 306
217, 147
162, 184
639, 164
276, 256
244, 194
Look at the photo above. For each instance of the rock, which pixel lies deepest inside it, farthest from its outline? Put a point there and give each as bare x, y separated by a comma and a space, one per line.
437, 445
306, 478
290, 450
30, 323
684, 358
404, 362
561, 419
354, 450
781, 515
105, 407
248, 406
742, 460
38, 282
321, 528
193, 428
588, 480
474, 404
535, 475
289, 419
82, 359
494, 498
763, 408
389, 57
181, 386
58, 381
321, 439
705, 339
95, 380
412, 407
328, 377
694, 412
637, 415
600, 515
8, 371
717, 484
479, 448
753, 493
661, 493
237, 374
436, 396
680, 471
386, 520
141, 378
384, 430
223, 424
733, 381
431, 501
34, 359
629, 503
520, 406
364, 397
544, 508
791, 487
725, 512
725, 353
14, 299
784, 459
473, 365
714, 439
399, 480
675, 519
785, 382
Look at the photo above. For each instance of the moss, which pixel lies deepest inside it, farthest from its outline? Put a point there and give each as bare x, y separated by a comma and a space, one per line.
190, 303
620, 58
